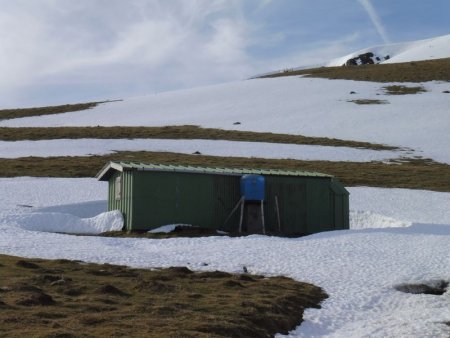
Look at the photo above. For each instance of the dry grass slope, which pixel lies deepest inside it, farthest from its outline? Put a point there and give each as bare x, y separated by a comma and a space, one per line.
175, 132
62, 298
417, 71
413, 174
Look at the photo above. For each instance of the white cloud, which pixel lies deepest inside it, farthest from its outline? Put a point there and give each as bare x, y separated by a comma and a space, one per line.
54, 51
228, 42
315, 54
79, 42
375, 19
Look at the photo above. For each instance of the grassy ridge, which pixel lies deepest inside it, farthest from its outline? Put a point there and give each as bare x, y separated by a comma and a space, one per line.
417, 71
62, 298
175, 132
27, 112
415, 174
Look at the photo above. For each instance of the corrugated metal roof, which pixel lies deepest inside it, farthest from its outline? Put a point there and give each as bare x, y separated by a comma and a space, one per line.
108, 169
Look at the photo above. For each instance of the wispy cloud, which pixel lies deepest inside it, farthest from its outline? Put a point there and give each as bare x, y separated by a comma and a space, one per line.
315, 55
153, 45
263, 4
374, 17
62, 51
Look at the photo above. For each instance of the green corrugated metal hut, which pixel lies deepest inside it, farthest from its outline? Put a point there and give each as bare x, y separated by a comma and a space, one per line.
151, 195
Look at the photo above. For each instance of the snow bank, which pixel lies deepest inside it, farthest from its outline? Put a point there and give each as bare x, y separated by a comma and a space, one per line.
65, 223
407, 205
367, 219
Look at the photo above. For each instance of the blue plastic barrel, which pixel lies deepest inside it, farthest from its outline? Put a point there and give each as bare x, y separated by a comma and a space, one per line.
253, 187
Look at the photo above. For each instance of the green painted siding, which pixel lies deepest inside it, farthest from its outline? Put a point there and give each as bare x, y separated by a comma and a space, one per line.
171, 198
340, 205
166, 198
226, 194
124, 201
304, 204
149, 199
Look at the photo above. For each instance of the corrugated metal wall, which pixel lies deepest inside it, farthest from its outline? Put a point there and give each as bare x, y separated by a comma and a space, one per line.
226, 194
161, 198
150, 199
124, 201
303, 203
340, 199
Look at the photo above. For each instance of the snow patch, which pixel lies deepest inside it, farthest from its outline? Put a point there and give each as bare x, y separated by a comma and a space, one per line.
408, 205
368, 219
168, 228
65, 223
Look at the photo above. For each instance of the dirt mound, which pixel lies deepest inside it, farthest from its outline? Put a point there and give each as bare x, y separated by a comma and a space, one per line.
35, 299
27, 265
233, 284
111, 290
155, 286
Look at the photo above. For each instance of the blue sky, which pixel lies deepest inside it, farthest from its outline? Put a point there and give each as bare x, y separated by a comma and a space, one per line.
64, 51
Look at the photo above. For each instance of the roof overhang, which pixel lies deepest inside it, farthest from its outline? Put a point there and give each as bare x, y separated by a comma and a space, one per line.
112, 167
108, 170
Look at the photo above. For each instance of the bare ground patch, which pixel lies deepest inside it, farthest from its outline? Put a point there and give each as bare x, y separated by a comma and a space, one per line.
62, 298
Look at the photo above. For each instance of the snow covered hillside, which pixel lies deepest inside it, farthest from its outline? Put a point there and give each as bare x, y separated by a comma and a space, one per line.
291, 105
397, 236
